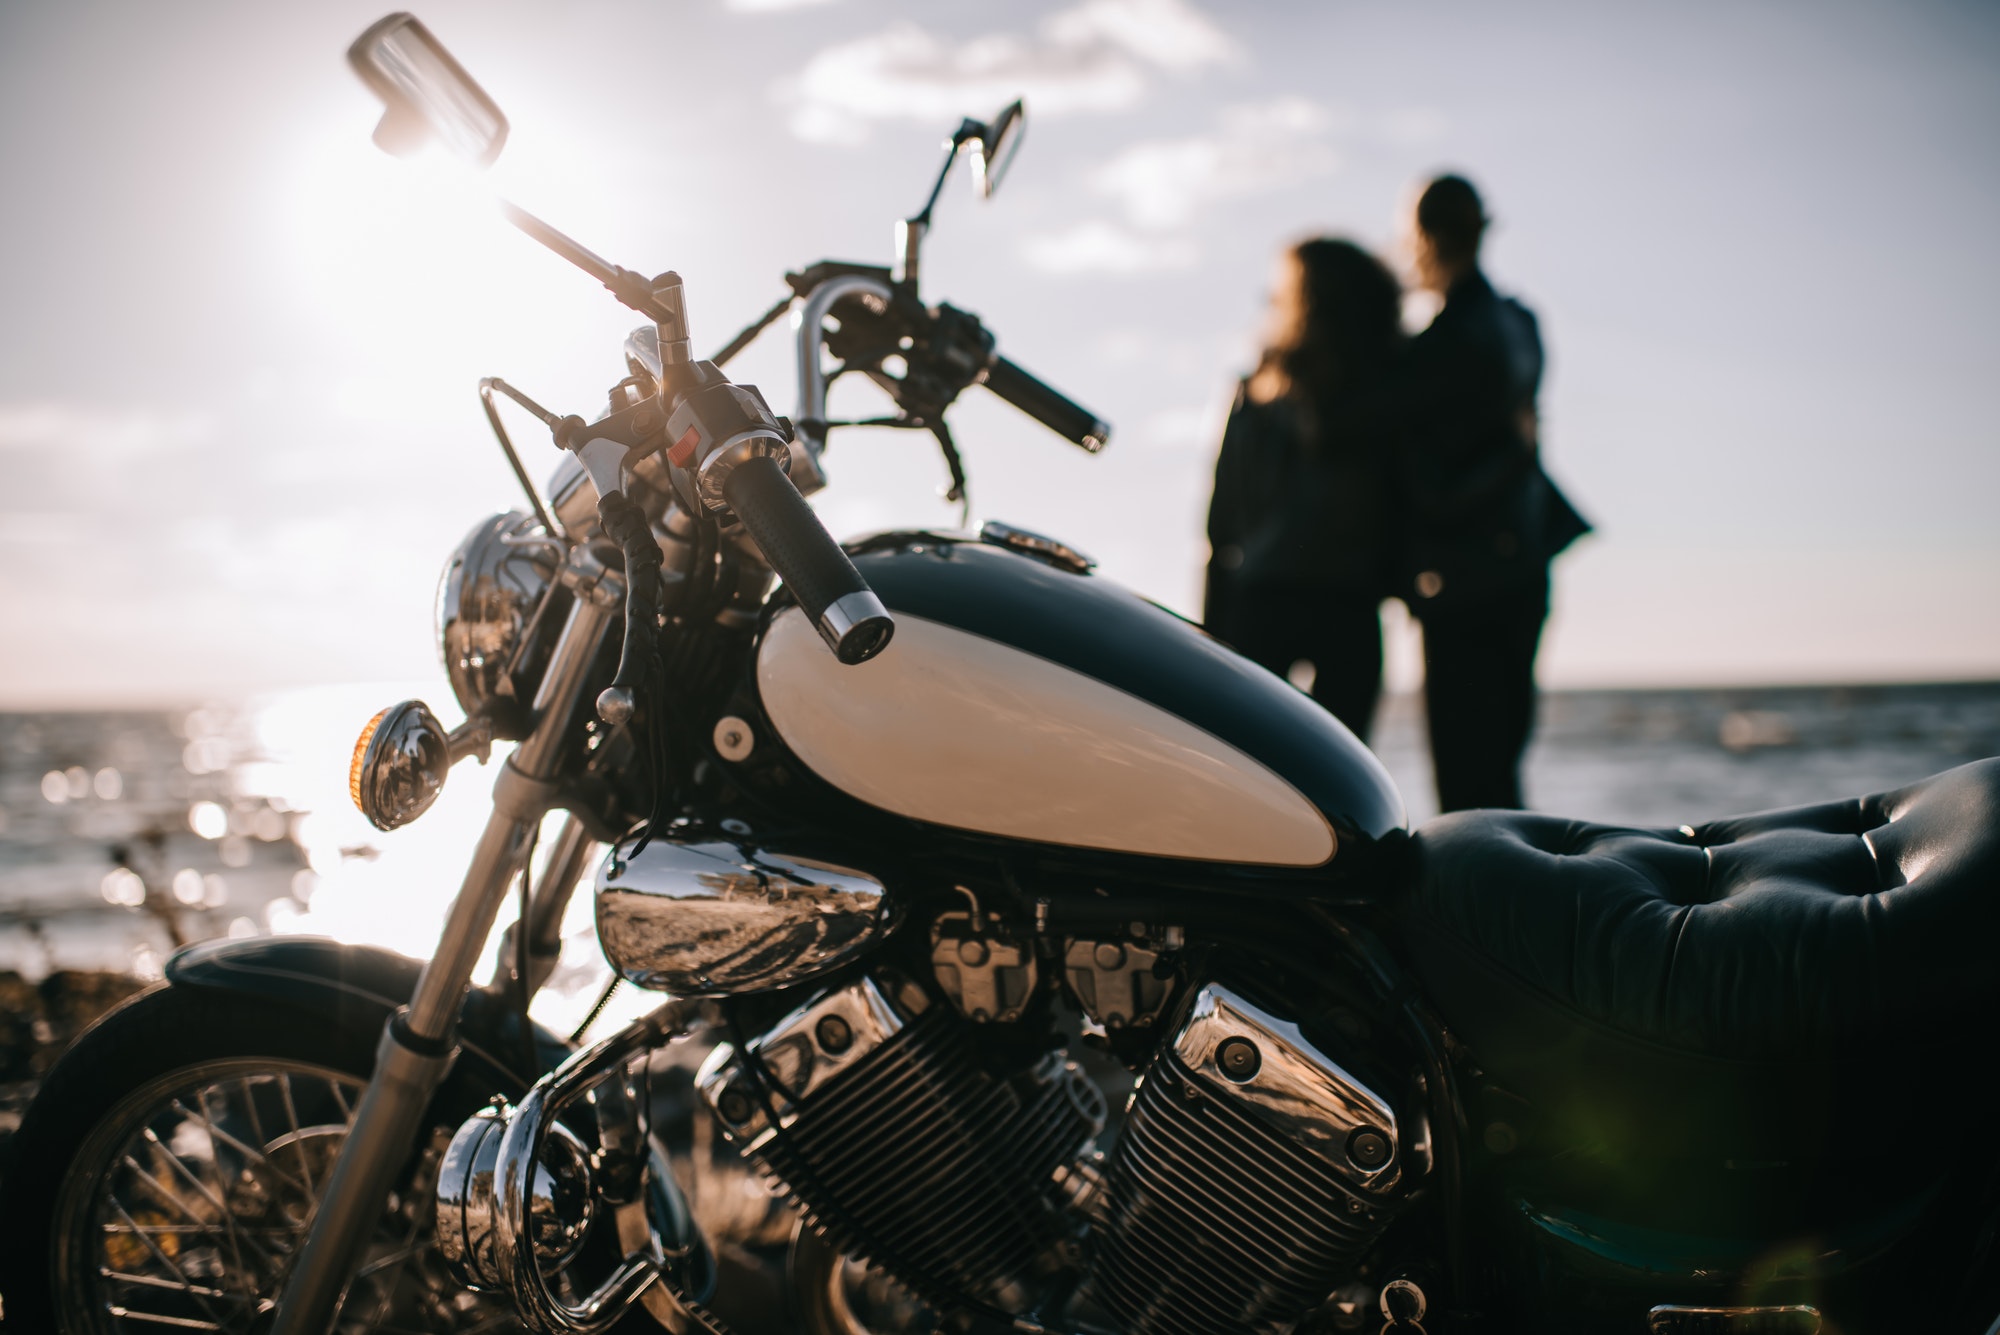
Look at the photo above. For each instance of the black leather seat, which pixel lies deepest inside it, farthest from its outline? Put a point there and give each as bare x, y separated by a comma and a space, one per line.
1778, 983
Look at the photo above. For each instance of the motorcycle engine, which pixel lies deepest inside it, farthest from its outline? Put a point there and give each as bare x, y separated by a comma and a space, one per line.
1250, 1177
907, 1145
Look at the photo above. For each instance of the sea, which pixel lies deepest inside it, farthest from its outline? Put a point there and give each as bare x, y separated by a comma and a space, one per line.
126, 834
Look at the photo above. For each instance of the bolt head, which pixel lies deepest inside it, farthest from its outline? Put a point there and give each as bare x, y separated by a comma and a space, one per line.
973, 952
835, 1035
1109, 955
616, 705
733, 738
1368, 1148
1239, 1059
735, 1105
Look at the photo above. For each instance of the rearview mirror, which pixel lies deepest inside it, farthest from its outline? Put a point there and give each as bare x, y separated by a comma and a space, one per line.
427, 96
994, 147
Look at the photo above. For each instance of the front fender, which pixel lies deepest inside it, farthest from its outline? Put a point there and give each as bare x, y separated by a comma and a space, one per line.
361, 986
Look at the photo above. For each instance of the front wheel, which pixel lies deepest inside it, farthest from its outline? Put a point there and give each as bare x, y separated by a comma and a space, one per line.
164, 1176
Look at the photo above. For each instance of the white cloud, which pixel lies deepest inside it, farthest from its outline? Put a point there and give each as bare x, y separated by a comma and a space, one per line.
1101, 55
772, 6
1168, 33
1163, 183
1100, 247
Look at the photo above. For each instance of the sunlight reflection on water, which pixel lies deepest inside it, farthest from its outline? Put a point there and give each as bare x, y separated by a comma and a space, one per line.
258, 833
392, 889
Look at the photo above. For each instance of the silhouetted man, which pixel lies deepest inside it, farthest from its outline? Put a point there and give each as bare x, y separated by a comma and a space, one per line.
1483, 519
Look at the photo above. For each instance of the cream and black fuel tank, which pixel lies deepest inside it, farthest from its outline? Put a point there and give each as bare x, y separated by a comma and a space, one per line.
1025, 699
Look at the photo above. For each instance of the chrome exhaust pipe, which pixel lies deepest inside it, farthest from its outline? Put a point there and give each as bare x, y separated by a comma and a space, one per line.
518, 1195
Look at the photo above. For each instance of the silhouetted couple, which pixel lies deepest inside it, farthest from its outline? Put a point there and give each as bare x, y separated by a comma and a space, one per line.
1359, 465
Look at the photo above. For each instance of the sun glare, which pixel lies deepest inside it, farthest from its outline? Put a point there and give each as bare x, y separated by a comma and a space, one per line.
389, 256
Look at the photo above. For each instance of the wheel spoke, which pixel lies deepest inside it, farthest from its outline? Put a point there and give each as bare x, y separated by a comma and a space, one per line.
164, 1259
166, 1196
183, 1230
215, 1170
177, 1322
298, 1142
222, 1165
155, 1282
252, 1151
250, 1109
411, 1245
228, 1216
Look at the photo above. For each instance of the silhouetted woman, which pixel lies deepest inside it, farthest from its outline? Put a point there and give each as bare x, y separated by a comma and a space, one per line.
1300, 527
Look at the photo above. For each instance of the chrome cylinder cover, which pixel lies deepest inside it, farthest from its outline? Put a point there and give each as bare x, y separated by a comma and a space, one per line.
908, 1149
718, 918
1251, 1175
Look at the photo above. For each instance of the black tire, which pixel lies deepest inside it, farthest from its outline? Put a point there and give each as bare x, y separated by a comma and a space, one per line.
67, 1141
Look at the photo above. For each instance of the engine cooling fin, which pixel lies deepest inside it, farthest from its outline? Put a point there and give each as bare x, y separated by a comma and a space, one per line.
1217, 1224
920, 1160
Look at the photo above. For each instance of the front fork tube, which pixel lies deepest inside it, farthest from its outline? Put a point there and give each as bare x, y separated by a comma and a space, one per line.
419, 1042
568, 859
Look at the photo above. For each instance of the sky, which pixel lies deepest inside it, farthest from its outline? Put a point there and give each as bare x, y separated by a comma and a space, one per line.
238, 427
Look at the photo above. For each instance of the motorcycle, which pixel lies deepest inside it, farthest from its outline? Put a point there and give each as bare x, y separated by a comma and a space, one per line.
1061, 970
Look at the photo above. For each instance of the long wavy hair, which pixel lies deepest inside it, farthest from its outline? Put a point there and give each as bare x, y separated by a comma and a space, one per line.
1338, 324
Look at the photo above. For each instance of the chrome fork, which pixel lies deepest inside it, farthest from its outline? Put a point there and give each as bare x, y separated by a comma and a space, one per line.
419, 1043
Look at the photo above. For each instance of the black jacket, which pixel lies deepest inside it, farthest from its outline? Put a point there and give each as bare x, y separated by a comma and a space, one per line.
1482, 518
1303, 496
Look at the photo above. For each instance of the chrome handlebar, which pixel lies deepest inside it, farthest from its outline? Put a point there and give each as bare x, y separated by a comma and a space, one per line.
810, 421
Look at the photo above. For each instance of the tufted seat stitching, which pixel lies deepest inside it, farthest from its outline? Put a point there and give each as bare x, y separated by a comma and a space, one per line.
1777, 921
1685, 914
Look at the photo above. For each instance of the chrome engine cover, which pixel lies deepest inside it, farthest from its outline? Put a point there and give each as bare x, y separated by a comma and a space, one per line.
1251, 1175
719, 917
873, 1108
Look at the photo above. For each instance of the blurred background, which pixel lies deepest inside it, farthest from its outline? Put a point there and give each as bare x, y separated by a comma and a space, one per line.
239, 435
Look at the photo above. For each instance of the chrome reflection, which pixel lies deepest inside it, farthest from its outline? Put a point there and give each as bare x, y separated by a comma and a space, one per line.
1261, 1060
562, 1201
518, 1192
715, 918
400, 764
486, 602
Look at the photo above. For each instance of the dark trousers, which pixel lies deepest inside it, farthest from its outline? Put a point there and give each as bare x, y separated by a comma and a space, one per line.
1278, 624
1479, 694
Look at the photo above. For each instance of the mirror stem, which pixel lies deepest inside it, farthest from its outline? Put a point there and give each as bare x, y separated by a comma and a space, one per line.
910, 231
909, 250
633, 289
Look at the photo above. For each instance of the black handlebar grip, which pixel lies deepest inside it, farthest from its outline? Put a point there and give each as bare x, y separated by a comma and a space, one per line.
1068, 419
848, 615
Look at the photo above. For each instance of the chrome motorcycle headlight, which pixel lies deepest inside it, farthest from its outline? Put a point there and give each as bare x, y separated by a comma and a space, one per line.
486, 604
714, 919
